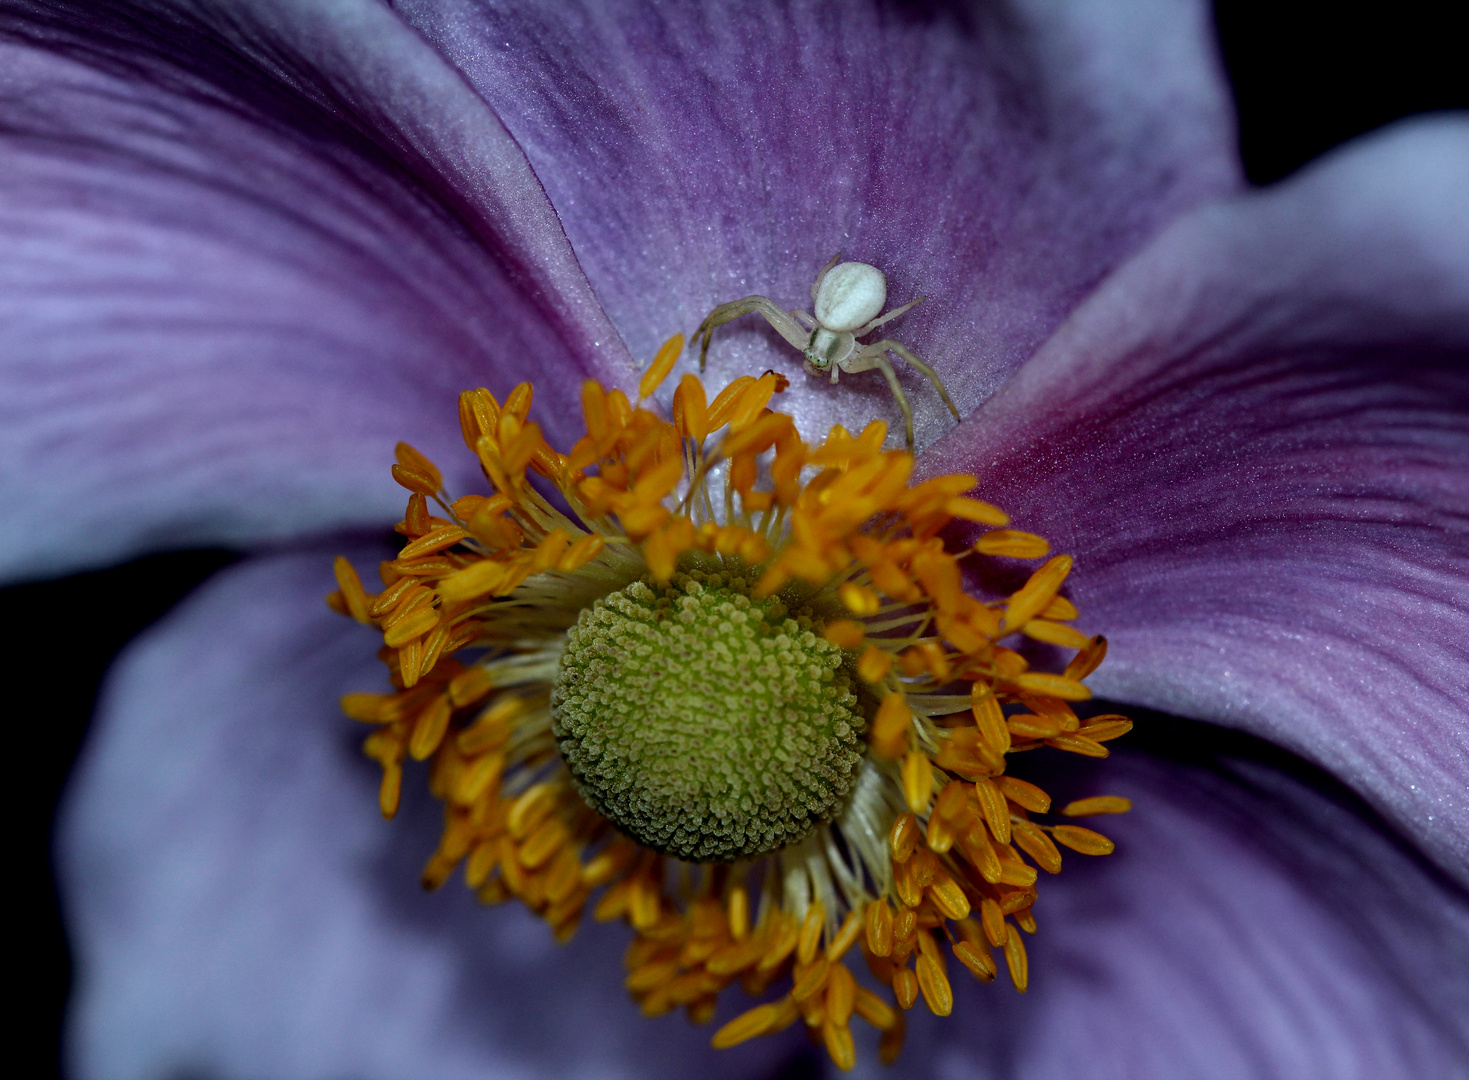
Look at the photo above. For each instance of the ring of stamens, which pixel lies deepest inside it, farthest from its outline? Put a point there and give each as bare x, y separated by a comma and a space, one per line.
922, 850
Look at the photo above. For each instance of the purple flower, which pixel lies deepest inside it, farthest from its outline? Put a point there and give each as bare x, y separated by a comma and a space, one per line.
246, 250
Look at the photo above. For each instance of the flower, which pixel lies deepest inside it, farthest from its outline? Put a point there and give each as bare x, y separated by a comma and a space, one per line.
773, 689
250, 249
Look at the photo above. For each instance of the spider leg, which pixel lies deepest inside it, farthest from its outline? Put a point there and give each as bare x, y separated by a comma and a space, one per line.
816, 285
784, 325
875, 323
803, 318
913, 361
872, 357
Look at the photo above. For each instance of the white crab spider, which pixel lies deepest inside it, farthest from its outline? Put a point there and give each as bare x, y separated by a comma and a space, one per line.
847, 299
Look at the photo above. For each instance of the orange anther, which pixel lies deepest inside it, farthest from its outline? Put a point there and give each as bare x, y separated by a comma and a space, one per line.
660, 367
845, 634
1037, 592
890, 726
690, 410
859, 599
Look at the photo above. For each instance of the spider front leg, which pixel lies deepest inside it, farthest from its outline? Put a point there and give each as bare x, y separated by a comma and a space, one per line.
784, 325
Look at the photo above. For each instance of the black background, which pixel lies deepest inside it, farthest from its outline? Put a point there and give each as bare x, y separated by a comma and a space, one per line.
1306, 77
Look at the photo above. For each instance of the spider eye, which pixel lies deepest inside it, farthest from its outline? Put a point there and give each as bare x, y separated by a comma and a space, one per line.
816, 360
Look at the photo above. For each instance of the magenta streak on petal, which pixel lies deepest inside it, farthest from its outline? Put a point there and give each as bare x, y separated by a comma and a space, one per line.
222, 305
999, 159
1255, 440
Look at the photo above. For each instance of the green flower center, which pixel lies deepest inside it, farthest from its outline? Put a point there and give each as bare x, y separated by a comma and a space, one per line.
703, 723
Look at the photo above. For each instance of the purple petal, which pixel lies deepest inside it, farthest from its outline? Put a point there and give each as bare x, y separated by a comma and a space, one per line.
240, 908
1255, 439
999, 159
1249, 925
221, 304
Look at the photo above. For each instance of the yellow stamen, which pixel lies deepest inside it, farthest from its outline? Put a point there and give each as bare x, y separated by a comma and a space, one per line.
660, 367
352, 592
781, 947
739, 913
1088, 660
1024, 793
1053, 633
979, 963
390, 790
846, 936
1058, 686
992, 806
1083, 840
905, 987
747, 1025
874, 664
879, 927
846, 634
810, 978
1037, 592
1097, 804
1038, 846
1077, 744
934, 983
975, 510
1016, 960
411, 459
429, 730
435, 540
478, 611
1013, 543
993, 921
948, 897
917, 781
1016, 873
859, 599
838, 1042
1027, 726
1103, 728
890, 727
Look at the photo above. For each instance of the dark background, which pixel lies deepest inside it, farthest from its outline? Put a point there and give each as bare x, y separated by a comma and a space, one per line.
1306, 77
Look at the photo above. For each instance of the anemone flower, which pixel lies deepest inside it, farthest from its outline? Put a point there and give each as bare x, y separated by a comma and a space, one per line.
249, 249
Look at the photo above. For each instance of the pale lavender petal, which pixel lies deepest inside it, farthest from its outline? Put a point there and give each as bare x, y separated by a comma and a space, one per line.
1253, 922
240, 908
998, 158
226, 291
1255, 440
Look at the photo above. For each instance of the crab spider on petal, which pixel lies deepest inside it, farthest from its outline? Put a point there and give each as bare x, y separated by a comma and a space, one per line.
848, 299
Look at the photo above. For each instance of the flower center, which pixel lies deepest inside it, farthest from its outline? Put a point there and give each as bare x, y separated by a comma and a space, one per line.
704, 723
616, 682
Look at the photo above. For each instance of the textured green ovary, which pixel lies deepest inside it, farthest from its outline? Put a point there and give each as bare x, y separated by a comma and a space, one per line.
702, 723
